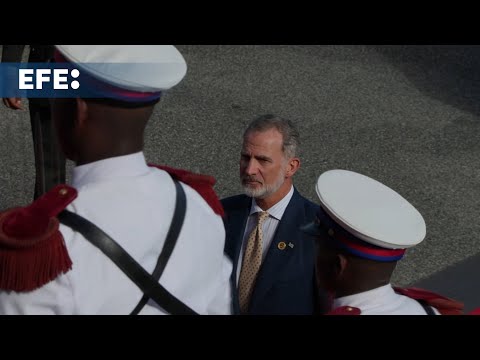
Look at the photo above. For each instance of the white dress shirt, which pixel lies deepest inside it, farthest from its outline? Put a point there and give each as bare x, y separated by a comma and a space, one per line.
382, 301
134, 204
269, 226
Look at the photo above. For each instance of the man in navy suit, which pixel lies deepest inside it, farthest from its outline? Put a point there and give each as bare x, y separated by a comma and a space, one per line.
283, 282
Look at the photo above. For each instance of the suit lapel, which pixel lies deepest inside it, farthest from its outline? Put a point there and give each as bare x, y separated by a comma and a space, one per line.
283, 246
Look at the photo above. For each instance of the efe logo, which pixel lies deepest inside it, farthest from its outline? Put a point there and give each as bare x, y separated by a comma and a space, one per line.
33, 79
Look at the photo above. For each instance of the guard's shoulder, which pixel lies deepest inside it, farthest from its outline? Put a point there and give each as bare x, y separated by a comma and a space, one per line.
203, 184
345, 310
32, 249
475, 312
445, 305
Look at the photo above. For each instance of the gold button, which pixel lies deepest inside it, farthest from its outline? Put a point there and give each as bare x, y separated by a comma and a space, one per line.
331, 232
282, 245
63, 192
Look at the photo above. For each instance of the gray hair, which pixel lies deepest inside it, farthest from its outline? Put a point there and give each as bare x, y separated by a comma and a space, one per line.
290, 135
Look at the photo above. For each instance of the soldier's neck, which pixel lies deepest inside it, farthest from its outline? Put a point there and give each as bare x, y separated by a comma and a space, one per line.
93, 156
358, 287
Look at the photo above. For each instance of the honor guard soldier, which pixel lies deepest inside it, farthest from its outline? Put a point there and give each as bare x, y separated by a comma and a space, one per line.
126, 237
362, 230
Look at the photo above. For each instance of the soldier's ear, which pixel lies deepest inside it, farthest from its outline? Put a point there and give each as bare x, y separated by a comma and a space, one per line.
82, 112
341, 262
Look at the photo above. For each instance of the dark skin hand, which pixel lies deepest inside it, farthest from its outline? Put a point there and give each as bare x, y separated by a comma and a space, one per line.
14, 103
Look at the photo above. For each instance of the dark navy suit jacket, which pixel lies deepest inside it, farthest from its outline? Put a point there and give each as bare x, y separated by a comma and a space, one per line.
286, 280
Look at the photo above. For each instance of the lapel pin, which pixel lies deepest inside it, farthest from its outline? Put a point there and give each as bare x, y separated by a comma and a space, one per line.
282, 245
291, 245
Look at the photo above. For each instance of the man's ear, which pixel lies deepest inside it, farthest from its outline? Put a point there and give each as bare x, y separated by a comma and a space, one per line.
292, 166
340, 265
81, 113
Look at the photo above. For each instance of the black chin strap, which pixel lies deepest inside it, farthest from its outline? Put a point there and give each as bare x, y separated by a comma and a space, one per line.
149, 284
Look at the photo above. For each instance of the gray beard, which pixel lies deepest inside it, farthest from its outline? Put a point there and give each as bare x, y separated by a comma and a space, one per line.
266, 190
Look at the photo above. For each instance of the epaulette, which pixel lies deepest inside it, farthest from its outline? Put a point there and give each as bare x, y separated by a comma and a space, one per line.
345, 310
475, 312
203, 184
32, 248
444, 305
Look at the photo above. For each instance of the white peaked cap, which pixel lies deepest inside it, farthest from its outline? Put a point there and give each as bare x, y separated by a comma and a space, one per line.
141, 68
369, 210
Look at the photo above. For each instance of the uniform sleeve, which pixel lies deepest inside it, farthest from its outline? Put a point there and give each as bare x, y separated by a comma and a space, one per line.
221, 303
12, 53
54, 298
